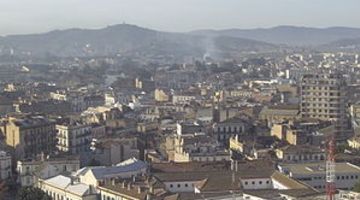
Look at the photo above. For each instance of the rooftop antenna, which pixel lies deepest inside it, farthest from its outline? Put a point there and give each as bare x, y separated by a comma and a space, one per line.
330, 169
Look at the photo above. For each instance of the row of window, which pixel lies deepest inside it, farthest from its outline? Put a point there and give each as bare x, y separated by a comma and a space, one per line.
253, 182
179, 185
229, 129
320, 105
322, 93
104, 197
323, 177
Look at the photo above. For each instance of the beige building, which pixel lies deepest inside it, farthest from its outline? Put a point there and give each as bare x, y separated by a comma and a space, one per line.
161, 96
30, 135
354, 142
195, 148
323, 96
300, 153
278, 114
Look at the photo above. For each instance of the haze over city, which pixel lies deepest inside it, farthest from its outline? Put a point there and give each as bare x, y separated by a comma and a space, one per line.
27, 16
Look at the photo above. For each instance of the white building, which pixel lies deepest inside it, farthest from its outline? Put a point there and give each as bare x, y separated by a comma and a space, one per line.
73, 137
101, 175
348, 195
30, 171
5, 165
314, 174
64, 188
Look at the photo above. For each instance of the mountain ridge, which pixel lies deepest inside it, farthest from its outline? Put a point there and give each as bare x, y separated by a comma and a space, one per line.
128, 39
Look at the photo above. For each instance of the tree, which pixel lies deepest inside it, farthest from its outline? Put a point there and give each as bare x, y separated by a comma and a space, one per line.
357, 187
31, 193
3, 189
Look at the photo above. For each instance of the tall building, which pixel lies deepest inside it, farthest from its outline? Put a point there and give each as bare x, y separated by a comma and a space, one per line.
29, 135
323, 96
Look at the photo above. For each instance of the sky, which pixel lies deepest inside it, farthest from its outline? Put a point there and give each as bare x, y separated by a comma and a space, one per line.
36, 16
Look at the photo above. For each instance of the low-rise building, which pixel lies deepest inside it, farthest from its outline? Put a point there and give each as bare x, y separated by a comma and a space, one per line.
111, 151
195, 148
278, 114
100, 175
64, 188
29, 171
185, 128
348, 195
354, 142
229, 128
300, 153
314, 174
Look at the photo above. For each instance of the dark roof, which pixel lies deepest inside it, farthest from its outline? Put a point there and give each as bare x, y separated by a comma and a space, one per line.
132, 191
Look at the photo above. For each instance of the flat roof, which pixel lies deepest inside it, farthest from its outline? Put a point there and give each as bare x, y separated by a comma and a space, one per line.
320, 168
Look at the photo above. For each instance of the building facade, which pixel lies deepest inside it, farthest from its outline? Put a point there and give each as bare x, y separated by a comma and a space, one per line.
30, 135
73, 138
5, 165
323, 96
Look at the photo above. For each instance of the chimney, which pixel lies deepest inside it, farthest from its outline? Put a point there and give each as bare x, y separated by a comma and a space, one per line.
123, 184
113, 182
151, 189
129, 186
236, 166
139, 189
148, 197
42, 156
232, 165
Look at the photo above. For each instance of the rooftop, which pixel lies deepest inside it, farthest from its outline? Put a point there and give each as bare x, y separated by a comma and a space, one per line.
320, 168
102, 172
63, 182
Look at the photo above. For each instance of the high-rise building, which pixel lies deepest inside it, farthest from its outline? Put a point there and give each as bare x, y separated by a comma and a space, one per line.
323, 96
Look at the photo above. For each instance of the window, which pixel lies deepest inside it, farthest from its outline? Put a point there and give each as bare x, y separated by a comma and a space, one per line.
179, 185
260, 182
186, 185
267, 182
253, 183
171, 185
246, 182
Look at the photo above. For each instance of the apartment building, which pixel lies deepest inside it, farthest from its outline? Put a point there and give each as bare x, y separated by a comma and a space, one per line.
323, 96
73, 137
29, 135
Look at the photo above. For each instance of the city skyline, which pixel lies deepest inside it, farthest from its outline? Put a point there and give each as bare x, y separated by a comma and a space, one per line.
164, 16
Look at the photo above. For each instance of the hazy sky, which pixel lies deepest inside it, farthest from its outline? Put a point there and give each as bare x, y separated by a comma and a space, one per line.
29, 16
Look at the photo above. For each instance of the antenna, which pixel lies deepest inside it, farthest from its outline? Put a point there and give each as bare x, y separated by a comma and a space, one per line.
330, 169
